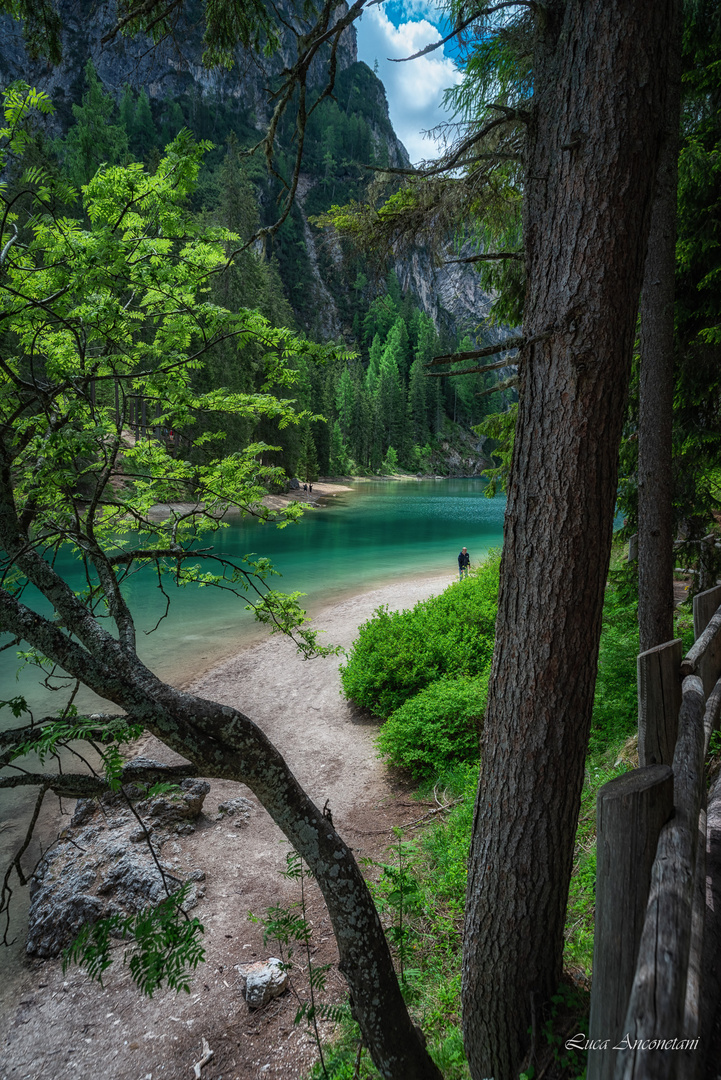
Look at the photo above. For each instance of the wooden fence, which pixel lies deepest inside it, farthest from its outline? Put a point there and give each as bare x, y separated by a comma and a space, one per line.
656, 969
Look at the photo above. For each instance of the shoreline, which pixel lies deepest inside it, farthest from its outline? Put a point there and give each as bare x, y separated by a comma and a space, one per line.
258, 635
324, 489
59, 1024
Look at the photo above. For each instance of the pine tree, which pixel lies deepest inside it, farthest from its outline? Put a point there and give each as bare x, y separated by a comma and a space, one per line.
92, 140
308, 463
144, 136
126, 110
390, 400
374, 365
344, 399
339, 462
398, 341
417, 404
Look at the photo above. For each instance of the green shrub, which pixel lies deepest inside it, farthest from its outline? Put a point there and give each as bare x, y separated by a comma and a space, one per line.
438, 728
399, 653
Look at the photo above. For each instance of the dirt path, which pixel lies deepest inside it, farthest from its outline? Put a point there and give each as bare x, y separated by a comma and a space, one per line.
55, 1027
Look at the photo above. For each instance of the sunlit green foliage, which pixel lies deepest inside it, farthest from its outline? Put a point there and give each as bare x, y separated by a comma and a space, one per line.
166, 946
111, 316
437, 728
396, 654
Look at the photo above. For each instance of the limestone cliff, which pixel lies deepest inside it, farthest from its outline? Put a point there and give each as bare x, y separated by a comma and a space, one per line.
174, 69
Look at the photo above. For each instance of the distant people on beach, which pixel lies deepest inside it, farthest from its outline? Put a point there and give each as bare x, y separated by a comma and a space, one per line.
464, 563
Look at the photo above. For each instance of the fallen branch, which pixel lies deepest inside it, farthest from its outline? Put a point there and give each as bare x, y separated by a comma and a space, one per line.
207, 1055
430, 813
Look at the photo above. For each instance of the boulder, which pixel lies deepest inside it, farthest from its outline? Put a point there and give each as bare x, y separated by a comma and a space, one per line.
102, 865
264, 980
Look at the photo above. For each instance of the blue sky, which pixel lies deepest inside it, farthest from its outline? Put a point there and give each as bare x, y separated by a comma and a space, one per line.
414, 90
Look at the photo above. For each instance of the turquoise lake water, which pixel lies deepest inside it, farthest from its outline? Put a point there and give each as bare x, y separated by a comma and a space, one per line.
375, 533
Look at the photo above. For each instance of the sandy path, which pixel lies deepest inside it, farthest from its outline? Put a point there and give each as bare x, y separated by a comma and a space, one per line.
57, 1027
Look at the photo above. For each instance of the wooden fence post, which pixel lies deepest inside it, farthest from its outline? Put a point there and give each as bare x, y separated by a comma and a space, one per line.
705, 606
659, 701
710, 968
630, 813
656, 1008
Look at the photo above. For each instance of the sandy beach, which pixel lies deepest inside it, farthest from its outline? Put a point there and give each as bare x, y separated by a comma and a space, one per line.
55, 1027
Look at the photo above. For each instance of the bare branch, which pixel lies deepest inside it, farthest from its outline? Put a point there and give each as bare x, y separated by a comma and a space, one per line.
470, 371
84, 786
476, 354
461, 27
487, 257
6, 892
505, 385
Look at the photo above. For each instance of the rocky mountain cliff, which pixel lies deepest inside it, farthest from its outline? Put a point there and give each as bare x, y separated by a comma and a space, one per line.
173, 70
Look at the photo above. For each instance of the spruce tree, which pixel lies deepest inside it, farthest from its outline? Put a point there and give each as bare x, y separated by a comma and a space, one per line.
92, 140
144, 136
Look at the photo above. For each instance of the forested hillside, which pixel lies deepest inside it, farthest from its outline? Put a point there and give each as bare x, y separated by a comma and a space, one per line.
373, 411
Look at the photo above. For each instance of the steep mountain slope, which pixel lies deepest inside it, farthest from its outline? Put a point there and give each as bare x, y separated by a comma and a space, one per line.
354, 130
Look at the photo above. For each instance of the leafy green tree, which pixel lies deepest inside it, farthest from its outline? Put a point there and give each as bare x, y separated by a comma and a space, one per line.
390, 463
105, 308
93, 139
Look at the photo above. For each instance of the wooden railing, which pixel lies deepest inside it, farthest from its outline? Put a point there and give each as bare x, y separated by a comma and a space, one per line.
656, 970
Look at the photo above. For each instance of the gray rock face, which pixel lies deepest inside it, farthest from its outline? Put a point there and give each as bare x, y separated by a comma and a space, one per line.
102, 866
172, 68
264, 981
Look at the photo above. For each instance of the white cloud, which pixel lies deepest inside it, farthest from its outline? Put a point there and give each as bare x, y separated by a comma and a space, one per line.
414, 89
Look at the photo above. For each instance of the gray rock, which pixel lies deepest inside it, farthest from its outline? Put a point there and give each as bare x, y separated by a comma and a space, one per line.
103, 866
264, 981
240, 809
172, 808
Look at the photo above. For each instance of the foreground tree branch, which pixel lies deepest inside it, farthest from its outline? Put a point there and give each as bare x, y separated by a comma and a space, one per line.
60, 447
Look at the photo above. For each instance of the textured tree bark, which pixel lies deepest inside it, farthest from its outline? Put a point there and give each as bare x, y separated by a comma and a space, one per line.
593, 140
655, 415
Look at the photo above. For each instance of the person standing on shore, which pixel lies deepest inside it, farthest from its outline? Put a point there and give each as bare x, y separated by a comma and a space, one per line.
464, 563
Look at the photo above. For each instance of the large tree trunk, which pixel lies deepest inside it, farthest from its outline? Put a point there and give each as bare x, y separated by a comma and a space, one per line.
655, 415
599, 82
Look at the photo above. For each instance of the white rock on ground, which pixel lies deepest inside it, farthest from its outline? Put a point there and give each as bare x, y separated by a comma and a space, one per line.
264, 981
